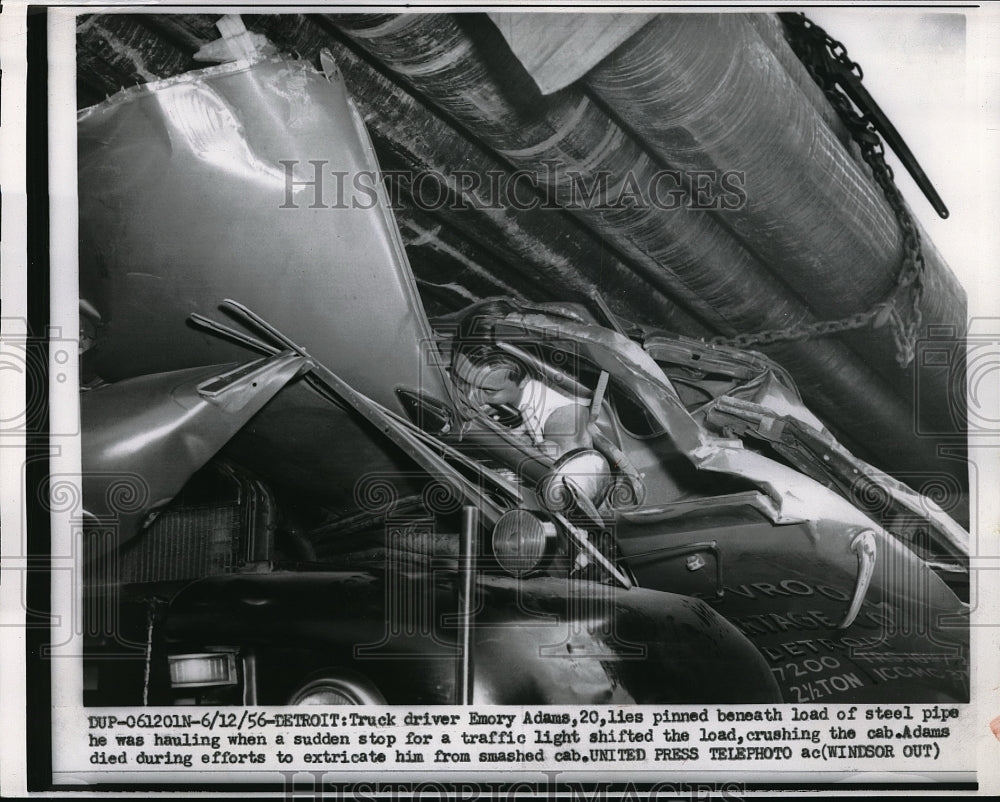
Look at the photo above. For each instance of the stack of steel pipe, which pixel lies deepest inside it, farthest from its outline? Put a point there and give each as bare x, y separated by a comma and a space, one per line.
701, 258
550, 251
116, 51
812, 215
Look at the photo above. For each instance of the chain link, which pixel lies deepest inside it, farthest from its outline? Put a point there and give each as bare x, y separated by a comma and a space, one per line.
825, 58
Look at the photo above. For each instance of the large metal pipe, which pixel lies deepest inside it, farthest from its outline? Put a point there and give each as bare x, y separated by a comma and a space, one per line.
684, 252
812, 214
772, 34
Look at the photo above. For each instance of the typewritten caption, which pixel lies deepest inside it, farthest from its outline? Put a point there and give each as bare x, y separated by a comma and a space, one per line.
833, 737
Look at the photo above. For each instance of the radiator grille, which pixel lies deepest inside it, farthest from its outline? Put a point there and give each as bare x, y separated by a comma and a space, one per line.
186, 543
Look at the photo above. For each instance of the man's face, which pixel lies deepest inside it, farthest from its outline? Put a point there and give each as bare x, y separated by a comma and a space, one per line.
485, 386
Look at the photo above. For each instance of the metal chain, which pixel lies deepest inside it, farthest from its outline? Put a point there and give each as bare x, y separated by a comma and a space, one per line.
825, 58
875, 317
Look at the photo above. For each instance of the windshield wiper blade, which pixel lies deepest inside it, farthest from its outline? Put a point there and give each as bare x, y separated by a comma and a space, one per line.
872, 112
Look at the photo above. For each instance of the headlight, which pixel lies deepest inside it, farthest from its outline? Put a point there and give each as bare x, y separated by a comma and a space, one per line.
521, 540
579, 476
337, 689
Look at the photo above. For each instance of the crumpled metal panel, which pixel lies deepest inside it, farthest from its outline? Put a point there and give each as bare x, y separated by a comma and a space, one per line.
791, 565
184, 201
797, 497
789, 589
303, 442
143, 438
